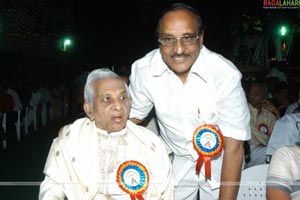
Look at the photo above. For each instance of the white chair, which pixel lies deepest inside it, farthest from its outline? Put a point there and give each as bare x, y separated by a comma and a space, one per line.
253, 183
3, 124
26, 120
44, 114
18, 126
34, 117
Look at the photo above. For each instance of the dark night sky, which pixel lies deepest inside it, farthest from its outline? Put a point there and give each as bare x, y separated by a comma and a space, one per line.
117, 32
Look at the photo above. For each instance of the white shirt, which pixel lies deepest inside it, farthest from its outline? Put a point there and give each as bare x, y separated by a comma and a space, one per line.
83, 161
291, 107
284, 171
212, 94
261, 126
286, 132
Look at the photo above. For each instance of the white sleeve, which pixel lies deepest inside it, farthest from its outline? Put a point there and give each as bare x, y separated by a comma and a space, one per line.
50, 190
279, 172
232, 109
141, 97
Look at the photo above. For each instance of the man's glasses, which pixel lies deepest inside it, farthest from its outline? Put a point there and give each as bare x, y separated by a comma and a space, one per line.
185, 40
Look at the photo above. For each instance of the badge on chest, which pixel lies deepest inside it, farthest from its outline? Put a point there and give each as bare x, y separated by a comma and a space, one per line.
208, 142
133, 178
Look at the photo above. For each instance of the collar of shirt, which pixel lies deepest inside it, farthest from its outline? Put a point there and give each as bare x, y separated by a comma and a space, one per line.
112, 134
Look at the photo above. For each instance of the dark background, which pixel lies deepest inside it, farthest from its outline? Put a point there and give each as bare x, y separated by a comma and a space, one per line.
122, 31
105, 33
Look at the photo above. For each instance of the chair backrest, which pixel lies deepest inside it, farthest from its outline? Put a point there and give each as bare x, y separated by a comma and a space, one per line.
253, 183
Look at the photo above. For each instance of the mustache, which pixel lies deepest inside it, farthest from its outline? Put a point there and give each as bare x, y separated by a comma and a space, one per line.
179, 55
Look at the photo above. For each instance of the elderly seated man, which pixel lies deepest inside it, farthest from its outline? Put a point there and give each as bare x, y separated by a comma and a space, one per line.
104, 155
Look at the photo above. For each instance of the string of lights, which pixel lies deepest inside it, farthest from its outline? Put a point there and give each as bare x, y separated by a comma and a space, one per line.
35, 23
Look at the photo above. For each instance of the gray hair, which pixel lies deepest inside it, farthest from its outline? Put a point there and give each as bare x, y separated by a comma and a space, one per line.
95, 75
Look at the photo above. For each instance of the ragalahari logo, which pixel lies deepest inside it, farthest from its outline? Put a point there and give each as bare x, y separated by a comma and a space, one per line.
281, 4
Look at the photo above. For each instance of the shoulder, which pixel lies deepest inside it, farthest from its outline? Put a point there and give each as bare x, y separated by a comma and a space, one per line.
142, 68
284, 166
150, 57
219, 62
289, 119
74, 129
217, 69
286, 154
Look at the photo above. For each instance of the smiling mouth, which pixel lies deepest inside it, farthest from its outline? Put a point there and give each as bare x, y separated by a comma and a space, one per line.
179, 56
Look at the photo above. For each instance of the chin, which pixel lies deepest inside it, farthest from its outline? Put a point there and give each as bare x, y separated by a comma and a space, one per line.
118, 127
181, 68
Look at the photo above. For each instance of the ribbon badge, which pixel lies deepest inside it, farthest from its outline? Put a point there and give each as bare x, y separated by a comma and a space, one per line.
208, 142
263, 128
133, 178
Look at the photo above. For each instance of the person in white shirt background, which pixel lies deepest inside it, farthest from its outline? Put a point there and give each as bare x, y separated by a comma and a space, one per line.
263, 117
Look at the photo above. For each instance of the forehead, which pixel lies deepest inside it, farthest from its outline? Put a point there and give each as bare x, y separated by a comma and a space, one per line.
178, 21
109, 85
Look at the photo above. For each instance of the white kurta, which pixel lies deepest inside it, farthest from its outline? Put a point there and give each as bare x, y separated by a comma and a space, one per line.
83, 162
212, 94
285, 132
284, 171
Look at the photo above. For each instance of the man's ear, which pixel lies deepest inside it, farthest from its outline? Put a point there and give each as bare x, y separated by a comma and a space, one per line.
88, 110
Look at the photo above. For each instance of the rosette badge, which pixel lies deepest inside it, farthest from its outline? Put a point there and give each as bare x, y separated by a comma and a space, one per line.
208, 142
133, 178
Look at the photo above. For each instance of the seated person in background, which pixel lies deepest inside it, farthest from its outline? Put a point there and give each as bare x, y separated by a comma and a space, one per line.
294, 106
105, 156
277, 70
284, 174
282, 97
285, 133
263, 115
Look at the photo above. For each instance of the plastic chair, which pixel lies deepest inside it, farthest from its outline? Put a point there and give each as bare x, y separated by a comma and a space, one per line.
44, 114
3, 124
253, 183
26, 120
18, 126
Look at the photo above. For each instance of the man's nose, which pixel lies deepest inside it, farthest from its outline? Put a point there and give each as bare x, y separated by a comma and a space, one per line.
117, 104
178, 47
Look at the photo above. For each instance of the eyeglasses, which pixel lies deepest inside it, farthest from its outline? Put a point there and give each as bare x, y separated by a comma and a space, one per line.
185, 40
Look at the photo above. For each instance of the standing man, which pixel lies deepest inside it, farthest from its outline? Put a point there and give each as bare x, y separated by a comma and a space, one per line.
190, 86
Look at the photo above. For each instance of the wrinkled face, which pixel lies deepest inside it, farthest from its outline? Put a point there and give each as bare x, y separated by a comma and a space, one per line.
256, 96
180, 57
111, 105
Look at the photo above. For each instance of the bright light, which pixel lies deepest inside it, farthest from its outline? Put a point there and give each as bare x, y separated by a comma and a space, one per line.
283, 31
67, 42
